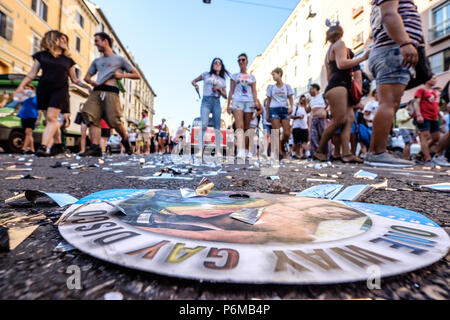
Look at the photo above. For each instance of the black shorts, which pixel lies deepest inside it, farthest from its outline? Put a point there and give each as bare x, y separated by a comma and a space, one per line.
300, 136
53, 98
106, 133
28, 123
133, 143
429, 125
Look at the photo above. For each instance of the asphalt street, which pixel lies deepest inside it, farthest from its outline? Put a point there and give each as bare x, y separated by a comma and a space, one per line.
35, 271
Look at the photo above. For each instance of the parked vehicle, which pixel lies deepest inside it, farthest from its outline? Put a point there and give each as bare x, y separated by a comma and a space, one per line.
210, 134
113, 145
12, 136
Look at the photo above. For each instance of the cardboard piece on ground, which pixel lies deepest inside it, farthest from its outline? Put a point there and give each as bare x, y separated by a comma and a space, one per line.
18, 235
353, 193
325, 191
442, 187
248, 215
361, 174
62, 199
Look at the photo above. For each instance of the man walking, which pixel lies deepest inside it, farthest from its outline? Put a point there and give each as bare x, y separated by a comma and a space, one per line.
104, 102
317, 107
397, 31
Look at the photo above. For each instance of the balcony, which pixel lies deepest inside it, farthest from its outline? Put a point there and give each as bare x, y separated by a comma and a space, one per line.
440, 31
357, 11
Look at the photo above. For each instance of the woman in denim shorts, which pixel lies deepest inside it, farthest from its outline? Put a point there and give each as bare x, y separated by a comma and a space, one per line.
242, 101
280, 106
214, 87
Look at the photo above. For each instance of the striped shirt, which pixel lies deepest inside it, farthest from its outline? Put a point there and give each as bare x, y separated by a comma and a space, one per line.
411, 20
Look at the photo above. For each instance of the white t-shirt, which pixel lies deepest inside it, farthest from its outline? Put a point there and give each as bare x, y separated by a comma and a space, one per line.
211, 81
132, 136
279, 96
317, 102
148, 129
243, 91
372, 108
300, 123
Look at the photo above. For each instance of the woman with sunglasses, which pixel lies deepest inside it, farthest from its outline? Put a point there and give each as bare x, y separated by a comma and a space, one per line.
242, 101
214, 87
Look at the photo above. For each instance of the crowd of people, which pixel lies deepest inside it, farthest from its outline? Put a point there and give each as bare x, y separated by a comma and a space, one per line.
331, 125
342, 122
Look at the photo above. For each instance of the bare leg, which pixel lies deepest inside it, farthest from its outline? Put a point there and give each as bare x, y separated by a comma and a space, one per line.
338, 99
51, 127
424, 145
83, 138
239, 121
389, 97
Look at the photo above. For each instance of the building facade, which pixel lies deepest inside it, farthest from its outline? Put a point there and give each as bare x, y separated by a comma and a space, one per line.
300, 48
23, 24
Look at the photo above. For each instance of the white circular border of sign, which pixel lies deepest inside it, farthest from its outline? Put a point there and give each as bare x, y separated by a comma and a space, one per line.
399, 241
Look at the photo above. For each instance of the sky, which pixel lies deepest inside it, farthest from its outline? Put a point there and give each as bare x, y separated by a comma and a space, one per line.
175, 41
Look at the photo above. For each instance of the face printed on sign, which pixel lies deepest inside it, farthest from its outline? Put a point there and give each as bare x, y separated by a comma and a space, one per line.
292, 220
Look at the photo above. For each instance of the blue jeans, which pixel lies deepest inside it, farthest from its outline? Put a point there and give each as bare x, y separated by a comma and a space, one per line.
211, 105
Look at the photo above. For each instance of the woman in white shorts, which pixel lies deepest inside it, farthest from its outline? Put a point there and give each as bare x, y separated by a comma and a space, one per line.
242, 102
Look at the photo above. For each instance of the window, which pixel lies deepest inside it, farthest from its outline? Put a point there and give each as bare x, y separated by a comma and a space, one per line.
78, 44
440, 62
310, 36
40, 7
6, 26
80, 19
309, 60
36, 44
440, 20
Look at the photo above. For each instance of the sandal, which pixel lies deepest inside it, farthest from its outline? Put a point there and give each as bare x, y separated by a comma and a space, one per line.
354, 159
320, 156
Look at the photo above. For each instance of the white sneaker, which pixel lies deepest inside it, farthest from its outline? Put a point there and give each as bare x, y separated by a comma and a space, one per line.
441, 161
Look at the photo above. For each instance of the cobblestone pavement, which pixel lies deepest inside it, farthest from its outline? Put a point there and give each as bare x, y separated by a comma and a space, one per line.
34, 271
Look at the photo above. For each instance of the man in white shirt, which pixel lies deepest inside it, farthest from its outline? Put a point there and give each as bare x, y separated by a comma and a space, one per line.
300, 129
146, 131
371, 109
317, 107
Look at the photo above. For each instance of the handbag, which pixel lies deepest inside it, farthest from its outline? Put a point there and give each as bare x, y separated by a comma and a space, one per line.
423, 71
79, 118
356, 93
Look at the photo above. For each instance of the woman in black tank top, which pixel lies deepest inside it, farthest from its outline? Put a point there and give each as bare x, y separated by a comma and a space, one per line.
339, 68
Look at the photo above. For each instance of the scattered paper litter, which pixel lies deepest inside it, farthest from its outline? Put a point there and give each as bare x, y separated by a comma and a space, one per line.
361, 174
248, 215
204, 188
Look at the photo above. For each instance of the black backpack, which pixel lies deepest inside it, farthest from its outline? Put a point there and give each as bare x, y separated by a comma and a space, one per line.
367, 84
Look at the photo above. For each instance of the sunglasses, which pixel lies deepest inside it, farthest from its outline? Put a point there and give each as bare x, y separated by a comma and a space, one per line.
218, 62
242, 60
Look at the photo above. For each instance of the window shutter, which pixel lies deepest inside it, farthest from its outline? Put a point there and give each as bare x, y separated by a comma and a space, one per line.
34, 5
9, 28
44, 11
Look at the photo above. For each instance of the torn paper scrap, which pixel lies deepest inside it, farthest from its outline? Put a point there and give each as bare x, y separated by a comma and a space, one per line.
361, 174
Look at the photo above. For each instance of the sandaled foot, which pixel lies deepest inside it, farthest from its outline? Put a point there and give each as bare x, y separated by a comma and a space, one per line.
320, 156
351, 159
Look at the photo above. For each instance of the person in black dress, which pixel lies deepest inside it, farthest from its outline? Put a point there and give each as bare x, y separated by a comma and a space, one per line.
53, 89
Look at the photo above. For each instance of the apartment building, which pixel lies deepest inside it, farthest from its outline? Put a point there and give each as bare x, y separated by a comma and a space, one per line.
23, 24
299, 47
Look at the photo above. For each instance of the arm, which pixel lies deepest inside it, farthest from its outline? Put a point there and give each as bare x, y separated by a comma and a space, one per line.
195, 81
417, 110
291, 104
75, 80
396, 30
134, 75
255, 95
230, 95
88, 79
269, 101
342, 60
29, 77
